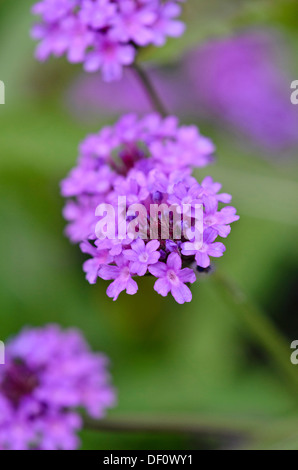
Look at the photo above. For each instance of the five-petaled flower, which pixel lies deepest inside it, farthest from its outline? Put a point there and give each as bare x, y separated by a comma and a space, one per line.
122, 276
141, 256
171, 278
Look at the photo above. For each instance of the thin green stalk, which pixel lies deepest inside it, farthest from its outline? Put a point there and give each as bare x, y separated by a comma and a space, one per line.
149, 88
259, 326
201, 428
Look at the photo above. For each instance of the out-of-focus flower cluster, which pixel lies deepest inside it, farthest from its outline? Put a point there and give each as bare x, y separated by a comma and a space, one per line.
104, 34
243, 80
149, 161
48, 374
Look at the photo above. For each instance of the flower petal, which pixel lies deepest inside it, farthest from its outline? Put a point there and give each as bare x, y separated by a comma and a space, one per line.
181, 293
174, 262
162, 286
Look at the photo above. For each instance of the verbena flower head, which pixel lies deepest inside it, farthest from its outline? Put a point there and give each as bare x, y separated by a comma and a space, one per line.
48, 374
148, 162
103, 34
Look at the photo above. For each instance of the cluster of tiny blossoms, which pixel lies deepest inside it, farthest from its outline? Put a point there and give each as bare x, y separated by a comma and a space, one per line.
103, 34
47, 375
149, 162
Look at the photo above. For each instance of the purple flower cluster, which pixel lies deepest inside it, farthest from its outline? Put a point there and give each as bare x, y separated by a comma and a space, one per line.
149, 161
48, 374
103, 34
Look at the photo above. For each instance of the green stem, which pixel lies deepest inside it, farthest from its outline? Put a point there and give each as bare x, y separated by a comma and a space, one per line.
259, 327
150, 90
191, 428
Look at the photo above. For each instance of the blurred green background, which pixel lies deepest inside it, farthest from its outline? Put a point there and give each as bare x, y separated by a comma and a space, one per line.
195, 361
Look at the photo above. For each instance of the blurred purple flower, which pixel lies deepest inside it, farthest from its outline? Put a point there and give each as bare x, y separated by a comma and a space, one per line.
103, 34
240, 80
48, 374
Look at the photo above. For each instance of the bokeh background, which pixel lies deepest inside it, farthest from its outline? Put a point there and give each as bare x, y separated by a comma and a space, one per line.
230, 74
